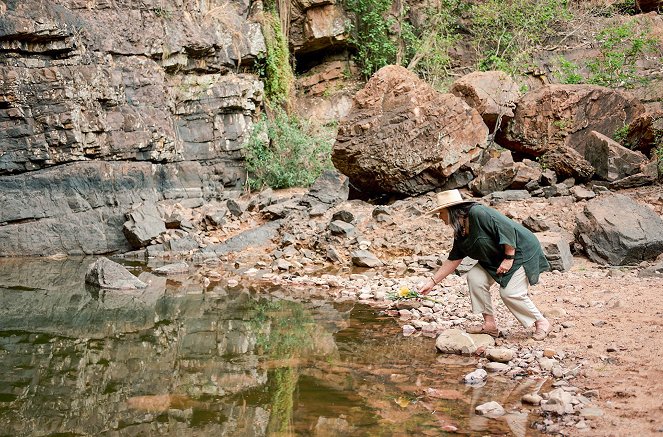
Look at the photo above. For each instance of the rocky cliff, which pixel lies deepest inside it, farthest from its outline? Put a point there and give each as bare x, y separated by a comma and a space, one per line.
107, 103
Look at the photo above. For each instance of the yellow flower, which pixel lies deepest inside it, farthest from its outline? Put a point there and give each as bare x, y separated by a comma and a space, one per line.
404, 292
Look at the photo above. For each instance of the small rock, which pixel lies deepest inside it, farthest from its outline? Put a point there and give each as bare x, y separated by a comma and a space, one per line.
598, 323
408, 330
532, 399
495, 367
476, 377
501, 355
490, 409
549, 353
172, 269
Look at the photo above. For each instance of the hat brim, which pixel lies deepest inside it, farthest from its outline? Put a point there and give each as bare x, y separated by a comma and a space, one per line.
457, 202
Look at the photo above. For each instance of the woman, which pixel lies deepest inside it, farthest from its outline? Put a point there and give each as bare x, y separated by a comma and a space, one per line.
507, 253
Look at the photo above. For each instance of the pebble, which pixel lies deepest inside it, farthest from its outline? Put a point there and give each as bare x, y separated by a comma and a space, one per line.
495, 367
408, 330
549, 353
490, 409
598, 323
532, 399
501, 355
476, 377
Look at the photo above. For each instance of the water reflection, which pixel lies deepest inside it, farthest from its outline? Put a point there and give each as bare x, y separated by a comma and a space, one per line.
178, 359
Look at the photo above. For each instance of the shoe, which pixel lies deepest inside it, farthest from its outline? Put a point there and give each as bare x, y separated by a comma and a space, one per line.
541, 333
481, 330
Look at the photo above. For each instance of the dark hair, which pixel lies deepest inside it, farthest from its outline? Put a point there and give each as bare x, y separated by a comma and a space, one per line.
457, 215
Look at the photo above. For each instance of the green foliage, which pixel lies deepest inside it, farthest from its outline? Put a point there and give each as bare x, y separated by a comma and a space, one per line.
370, 32
274, 67
284, 151
508, 32
429, 52
569, 72
620, 134
620, 48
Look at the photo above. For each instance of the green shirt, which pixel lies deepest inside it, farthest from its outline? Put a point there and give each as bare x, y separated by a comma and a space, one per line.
489, 230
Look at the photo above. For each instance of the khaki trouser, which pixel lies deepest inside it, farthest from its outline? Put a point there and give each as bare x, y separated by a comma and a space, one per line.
514, 295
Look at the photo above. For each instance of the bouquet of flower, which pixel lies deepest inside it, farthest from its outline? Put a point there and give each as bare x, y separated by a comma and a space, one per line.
404, 293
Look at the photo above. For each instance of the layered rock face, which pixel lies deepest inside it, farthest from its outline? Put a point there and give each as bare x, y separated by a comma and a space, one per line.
153, 82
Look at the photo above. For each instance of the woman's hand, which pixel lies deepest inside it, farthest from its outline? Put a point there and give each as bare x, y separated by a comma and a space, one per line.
427, 287
505, 266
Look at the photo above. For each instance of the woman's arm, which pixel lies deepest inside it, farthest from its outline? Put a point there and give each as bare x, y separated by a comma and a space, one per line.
507, 262
445, 270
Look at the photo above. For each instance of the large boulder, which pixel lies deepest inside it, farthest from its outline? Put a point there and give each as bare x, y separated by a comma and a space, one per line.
615, 230
567, 163
565, 115
402, 136
143, 224
108, 274
611, 160
330, 189
493, 93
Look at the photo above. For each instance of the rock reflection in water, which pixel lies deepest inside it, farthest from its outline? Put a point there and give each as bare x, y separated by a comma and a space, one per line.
174, 360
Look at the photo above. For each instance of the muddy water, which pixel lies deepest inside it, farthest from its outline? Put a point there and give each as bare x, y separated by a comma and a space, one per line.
182, 359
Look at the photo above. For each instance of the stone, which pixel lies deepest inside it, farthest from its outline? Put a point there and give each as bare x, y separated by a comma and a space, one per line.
490, 409
611, 160
556, 249
492, 93
496, 175
558, 402
107, 274
555, 116
395, 108
143, 225
334, 256
610, 235
507, 196
532, 399
455, 341
494, 367
528, 172
476, 377
330, 189
365, 258
567, 162
582, 193
172, 269
339, 227
235, 208
343, 215
501, 355
85, 202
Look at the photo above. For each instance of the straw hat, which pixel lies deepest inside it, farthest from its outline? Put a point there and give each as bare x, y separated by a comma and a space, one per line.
448, 198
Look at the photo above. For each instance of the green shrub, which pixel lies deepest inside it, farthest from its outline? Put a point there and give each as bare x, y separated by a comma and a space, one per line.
620, 48
569, 72
370, 34
429, 51
621, 134
284, 151
506, 33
